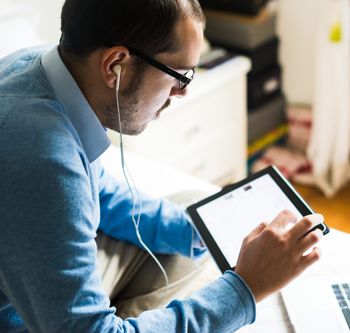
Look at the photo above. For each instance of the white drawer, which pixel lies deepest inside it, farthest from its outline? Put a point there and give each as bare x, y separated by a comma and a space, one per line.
178, 129
215, 158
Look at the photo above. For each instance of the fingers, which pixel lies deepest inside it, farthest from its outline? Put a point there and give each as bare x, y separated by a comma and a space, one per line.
305, 224
284, 218
258, 230
311, 239
311, 258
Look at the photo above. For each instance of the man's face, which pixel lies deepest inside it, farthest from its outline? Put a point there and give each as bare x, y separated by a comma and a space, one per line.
150, 91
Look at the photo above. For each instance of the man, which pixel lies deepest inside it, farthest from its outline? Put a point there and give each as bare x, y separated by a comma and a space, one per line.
55, 194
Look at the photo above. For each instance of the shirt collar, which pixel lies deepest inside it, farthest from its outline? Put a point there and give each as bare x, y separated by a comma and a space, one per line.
91, 133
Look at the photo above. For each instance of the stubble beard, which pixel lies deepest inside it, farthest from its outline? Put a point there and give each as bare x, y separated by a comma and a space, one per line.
128, 107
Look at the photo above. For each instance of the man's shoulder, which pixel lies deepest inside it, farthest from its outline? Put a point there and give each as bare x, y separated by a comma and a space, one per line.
31, 115
21, 75
22, 56
34, 124
38, 129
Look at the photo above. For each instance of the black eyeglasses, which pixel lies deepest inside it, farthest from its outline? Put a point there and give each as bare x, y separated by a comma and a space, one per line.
184, 80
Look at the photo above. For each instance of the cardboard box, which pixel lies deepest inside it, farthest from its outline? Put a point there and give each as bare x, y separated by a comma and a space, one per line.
249, 7
265, 118
264, 87
239, 31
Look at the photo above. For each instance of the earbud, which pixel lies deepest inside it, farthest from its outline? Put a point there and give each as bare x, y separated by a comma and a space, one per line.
117, 69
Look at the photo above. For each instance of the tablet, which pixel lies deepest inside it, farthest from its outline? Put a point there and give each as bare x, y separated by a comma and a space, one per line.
226, 218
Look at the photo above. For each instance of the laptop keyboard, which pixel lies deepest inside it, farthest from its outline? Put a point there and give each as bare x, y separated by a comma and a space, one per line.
342, 293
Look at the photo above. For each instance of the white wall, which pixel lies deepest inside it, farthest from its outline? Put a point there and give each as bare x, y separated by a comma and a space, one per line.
297, 23
25, 22
50, 21
50, 12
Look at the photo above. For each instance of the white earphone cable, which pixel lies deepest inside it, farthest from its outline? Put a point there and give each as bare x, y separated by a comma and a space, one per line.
124, 166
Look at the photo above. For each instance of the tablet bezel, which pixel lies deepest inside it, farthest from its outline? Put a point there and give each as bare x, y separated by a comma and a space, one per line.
280, 180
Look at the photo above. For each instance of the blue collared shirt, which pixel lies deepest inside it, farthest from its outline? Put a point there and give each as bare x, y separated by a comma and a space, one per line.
91, 133
55, 194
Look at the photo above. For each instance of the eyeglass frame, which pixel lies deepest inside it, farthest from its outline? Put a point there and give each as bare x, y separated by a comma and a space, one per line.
168, 70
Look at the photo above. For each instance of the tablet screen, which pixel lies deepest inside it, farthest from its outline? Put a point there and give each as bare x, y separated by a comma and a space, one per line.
261, 200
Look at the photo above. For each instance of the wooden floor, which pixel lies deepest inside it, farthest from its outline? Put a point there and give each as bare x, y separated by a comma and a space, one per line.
336, 211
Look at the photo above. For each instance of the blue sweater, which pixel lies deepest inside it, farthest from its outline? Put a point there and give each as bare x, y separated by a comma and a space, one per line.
54, 195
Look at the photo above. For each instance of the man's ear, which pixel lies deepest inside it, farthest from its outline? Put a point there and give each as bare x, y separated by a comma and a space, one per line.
117, 55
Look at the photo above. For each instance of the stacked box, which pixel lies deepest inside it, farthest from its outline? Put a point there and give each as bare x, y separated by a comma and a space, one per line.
238, 31
249, 7
264, 87
254, 37
262, 57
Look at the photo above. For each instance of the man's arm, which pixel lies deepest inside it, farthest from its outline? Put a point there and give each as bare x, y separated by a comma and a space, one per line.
48, 259
48, 253
225, 305
163, 227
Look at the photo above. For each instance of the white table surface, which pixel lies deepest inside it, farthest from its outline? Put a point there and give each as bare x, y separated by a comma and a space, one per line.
272, 316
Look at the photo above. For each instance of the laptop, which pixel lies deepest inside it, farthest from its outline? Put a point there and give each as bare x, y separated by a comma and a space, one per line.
319, 304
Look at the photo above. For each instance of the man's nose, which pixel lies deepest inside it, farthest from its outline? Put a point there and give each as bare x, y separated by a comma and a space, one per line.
176, 92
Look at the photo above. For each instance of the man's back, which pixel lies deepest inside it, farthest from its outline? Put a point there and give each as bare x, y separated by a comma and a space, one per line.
42, 168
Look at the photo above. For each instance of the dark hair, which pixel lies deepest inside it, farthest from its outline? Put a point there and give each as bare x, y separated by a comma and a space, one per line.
145, 25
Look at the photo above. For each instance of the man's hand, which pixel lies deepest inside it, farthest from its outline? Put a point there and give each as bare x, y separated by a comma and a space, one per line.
271, 256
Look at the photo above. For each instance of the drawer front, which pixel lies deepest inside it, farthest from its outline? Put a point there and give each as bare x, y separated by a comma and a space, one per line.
218, 156
178, 129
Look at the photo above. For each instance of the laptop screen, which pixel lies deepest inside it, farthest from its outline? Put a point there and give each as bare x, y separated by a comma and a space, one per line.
261, 200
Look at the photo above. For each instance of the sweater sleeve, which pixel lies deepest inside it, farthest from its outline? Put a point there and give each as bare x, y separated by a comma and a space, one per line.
49, 267
225, 305
163, 227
